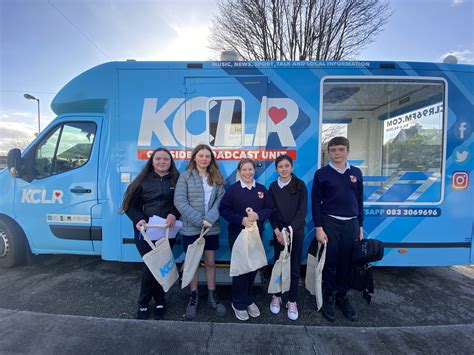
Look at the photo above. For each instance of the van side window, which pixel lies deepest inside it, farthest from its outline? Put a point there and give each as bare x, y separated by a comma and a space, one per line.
395, 128
45, 154
67, 148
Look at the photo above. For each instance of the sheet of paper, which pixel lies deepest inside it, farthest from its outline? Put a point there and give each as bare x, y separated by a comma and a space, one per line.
158, 233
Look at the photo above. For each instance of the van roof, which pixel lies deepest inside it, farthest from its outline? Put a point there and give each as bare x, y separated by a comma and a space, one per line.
90, 91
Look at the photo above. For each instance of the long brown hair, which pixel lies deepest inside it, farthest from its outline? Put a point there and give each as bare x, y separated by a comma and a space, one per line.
148, 169
214, 173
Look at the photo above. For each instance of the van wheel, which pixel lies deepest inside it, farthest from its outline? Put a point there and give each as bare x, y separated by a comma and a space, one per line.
12, 245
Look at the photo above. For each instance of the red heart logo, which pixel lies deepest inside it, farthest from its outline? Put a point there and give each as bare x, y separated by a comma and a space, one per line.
57, 194
277, 114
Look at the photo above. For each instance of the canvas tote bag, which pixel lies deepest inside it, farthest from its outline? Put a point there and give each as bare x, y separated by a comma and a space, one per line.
314, 274
281, 273
248, 253
160, 260
193, 257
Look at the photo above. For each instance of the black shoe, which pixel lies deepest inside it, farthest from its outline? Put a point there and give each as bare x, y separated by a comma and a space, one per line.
159, 312
343, 303
216, 304
191, 309
328, 308
143, 312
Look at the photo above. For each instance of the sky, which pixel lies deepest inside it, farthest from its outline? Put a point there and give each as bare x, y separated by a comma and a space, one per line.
46, 43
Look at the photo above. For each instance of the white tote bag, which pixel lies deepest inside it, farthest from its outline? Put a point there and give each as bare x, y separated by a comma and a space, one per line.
314, 274
248, 253
193, 257
160, 261
286, 265
281, 273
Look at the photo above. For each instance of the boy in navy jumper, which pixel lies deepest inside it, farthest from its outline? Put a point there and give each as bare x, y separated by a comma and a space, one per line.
338, 217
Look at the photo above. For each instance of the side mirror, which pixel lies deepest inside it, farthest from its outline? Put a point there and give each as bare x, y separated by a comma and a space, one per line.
14, 161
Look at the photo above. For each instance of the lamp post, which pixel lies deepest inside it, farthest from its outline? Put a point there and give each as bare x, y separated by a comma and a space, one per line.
31, 97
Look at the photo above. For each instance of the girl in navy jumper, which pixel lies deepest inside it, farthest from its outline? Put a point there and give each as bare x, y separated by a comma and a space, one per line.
152, 193
245, 193
290, 200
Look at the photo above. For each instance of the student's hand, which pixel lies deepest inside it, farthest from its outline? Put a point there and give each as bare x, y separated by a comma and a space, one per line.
206, 224
140, 224
170, 220
279, 236
321, 235
252, 216
361, 233
246, 222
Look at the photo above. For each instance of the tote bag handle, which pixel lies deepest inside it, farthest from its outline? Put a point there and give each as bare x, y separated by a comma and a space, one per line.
143, 232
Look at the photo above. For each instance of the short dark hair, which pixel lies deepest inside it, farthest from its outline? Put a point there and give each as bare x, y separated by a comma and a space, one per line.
338, 141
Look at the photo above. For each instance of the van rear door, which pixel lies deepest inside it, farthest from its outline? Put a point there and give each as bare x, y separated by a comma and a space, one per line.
54, 208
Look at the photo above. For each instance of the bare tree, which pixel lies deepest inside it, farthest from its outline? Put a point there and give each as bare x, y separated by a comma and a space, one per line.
297, 29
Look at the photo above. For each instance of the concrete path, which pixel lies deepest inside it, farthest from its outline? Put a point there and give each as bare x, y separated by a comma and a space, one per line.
36, 333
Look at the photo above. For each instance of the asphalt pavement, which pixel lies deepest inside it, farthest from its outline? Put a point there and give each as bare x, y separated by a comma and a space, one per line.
80, 304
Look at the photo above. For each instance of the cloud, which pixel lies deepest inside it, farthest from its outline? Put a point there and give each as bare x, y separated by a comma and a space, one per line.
17, 115
457, 2
14, 135
189, 43
464, 57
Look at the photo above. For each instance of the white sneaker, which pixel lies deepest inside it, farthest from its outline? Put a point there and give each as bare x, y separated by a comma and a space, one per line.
292, 310
240, 315
275, 304
253, 311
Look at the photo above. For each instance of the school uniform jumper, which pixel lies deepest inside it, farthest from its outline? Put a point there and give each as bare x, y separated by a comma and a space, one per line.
154, 196
290, 210
233, 205
337, 206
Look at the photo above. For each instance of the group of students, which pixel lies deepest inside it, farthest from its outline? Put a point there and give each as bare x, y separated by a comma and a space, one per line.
197, 197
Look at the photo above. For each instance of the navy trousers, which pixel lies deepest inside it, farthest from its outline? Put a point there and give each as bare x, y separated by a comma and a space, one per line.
242, 285
337, 268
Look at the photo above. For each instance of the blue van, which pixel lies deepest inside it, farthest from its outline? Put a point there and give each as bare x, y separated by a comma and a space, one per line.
410, 127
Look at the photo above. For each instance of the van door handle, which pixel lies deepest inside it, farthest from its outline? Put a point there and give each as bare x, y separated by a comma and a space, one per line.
80, 191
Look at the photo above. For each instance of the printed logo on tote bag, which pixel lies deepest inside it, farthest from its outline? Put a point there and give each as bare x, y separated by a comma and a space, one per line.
165, 270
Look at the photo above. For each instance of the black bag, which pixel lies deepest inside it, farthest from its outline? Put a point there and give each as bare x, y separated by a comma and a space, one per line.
362, 280
366, 251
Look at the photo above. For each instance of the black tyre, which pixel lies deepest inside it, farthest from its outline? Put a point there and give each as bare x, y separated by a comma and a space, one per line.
12, 245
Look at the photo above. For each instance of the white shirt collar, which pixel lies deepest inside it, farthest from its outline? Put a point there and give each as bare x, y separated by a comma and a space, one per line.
244, 186
340, 171
283, 184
